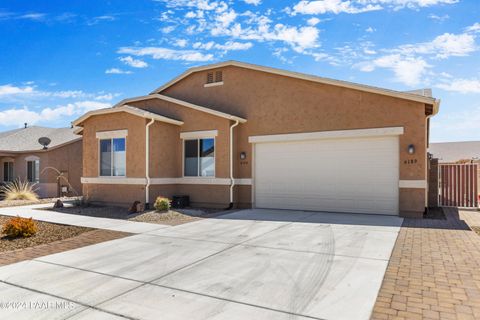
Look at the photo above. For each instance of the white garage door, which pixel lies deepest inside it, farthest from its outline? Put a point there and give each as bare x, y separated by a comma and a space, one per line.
338, 175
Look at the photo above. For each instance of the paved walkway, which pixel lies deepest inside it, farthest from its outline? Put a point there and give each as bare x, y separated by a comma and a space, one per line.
38, 212
434, 271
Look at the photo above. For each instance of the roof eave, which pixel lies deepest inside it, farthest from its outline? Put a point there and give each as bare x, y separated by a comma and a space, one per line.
351, 85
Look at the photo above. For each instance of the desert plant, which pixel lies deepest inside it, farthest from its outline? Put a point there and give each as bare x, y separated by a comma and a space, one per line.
162, 204
19, 190
19, 227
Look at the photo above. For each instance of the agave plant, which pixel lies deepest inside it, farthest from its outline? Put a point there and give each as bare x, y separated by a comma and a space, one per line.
19, 190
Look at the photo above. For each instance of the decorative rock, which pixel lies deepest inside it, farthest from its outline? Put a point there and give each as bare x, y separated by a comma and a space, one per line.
134, 208
58, 204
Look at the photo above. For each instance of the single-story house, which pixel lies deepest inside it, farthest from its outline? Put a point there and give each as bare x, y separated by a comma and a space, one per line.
243, 135
24, 157
458, 151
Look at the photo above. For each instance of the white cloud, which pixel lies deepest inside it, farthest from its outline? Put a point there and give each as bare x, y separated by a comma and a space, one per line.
460, 85
106, 96
474, 28
96, 20
8, 89
117, 71
443, 46
33, 16
254, 2
313, 21
439, 18
353, 7
167, 29
226, 18
227, 46
18, 116
332, 6
199, 4
135, 63
370, 30
232, 46
182, 43
408, 70
166, 54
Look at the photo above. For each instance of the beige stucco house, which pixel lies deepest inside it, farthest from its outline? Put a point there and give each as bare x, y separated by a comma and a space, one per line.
252, 136
23, 157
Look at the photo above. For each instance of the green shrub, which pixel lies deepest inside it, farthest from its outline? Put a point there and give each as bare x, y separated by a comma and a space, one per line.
19, 227
19, 190
162, 204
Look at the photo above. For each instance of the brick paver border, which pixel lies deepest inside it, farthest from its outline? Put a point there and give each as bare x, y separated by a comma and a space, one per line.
82, 240
434, 270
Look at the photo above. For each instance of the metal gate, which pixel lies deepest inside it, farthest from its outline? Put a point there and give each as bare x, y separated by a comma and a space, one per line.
458, 184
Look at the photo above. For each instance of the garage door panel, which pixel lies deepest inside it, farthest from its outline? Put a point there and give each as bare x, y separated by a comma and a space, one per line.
345, 175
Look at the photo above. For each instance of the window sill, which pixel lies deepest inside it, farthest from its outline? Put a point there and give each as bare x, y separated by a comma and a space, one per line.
213, 84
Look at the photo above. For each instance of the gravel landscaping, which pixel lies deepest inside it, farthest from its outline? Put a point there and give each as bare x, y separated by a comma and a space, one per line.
47, 232
172, 217
15, 203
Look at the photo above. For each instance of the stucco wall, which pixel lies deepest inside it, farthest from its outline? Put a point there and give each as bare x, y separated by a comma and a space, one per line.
66, 159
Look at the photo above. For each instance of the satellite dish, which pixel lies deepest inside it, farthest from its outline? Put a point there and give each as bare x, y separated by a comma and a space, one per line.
44, 141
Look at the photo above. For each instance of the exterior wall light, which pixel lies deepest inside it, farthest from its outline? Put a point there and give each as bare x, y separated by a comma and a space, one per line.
411, 149
243, 155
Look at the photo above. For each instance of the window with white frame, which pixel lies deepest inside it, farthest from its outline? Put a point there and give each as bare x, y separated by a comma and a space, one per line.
8, 171
199, 157
33, 171
112, 157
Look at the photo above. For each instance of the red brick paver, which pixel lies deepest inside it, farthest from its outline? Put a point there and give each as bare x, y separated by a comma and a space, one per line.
82, 240
434, 271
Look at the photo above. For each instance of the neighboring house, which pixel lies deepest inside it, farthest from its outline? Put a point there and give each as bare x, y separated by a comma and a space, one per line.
451, 152
247, 135
23, 157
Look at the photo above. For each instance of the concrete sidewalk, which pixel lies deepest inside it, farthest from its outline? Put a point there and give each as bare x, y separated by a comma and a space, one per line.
251, 264
38, 212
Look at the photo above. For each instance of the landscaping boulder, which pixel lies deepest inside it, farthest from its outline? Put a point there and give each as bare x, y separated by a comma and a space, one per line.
58, 204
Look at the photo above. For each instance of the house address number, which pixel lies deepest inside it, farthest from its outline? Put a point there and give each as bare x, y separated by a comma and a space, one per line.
410, 161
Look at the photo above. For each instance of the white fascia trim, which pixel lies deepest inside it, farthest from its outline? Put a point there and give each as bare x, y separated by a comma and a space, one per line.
112, 134
160, 181
113, 180
355, 133
199, 134
200, 180
128, 109
32, 158
412, 184
213, 84
308, 77
181, 103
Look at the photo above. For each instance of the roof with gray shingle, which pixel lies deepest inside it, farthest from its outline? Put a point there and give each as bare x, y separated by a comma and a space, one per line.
455, 151
26, 139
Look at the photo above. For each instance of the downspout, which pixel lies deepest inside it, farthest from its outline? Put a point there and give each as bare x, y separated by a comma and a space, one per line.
147, 163
232, 180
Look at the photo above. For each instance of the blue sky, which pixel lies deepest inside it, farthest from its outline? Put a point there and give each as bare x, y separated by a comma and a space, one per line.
62, 58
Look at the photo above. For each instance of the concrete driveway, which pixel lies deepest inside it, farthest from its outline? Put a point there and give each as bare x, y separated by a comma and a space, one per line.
250, 264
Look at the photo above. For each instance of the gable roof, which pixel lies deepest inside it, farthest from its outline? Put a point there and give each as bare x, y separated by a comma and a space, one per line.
398, 94
455, 151
182, 103
129, 109
26, 139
